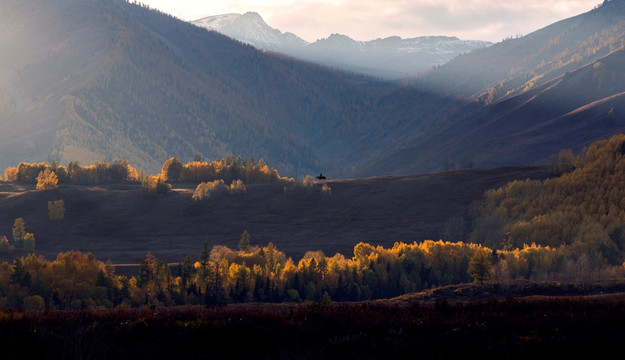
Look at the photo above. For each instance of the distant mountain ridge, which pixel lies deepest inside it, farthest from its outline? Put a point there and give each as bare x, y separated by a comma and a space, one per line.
390, 58
250, 28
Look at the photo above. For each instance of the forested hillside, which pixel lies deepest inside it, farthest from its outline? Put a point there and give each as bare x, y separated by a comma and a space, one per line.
118, 81
582, 209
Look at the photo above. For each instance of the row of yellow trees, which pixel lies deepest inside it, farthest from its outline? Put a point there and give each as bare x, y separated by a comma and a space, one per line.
263, 273
97, 173
227, 170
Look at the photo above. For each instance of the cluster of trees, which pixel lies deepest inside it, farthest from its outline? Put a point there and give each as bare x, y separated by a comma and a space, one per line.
582, 209
263, 273
215, 188
228, 170
48, 176
155, 184
22, 240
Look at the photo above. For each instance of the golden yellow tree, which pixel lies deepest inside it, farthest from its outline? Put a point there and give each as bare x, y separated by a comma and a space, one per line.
47, 180
10, 174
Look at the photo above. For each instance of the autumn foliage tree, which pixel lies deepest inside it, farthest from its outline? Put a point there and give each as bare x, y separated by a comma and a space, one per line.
47, 180
479, 266
172, 170
10, 174
19, 232
228, 170
56, 210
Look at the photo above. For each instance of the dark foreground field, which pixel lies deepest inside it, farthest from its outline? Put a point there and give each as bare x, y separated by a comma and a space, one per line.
122, 223
589, 327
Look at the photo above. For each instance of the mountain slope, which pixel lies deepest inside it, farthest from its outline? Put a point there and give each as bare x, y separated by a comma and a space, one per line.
524, 99
568, 112
87, 80
515, 65
110, 79
390, 58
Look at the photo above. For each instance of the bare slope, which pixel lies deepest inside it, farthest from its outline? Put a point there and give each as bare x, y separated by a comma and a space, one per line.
123, 223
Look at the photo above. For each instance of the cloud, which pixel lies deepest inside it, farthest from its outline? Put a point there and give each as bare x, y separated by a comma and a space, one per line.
365, 20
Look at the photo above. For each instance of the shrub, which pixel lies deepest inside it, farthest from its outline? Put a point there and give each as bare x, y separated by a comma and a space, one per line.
237, 187
207, 189
155, 184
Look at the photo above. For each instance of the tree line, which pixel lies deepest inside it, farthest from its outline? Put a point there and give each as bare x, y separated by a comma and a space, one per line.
220, 275
229, 169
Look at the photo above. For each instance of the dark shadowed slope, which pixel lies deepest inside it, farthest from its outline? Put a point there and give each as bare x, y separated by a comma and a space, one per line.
122, 223
568, 112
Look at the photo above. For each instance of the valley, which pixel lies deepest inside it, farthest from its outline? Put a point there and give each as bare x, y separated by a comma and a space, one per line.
473, 202
122, 223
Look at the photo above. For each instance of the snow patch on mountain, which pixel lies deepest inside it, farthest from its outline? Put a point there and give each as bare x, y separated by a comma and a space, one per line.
391, 57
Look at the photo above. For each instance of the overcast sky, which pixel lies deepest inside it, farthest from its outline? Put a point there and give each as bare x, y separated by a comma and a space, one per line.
491, 20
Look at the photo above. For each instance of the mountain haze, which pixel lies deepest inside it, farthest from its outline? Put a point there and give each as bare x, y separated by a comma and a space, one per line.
515, 65
88, 80
389, 58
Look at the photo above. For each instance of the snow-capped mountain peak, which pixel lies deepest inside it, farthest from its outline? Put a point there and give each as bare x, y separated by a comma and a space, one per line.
251, 28
392, 57
216, 22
